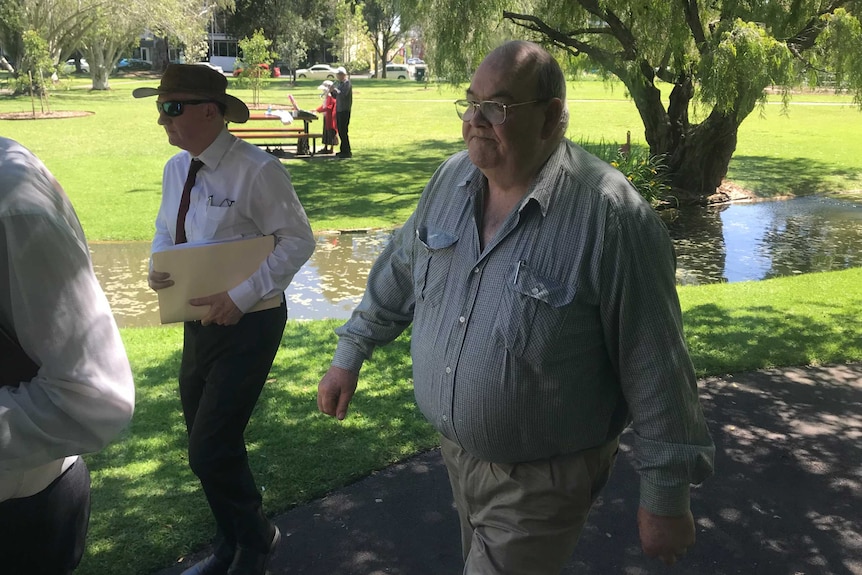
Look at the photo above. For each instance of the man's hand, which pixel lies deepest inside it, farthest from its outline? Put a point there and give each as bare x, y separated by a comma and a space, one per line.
667, 538
335, 391
222, 309
159, 280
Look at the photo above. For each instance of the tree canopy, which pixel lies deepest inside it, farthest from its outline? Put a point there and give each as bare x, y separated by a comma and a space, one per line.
715, 58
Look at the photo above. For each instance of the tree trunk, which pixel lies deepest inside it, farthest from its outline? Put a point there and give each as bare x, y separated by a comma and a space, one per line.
699, 161
696, 155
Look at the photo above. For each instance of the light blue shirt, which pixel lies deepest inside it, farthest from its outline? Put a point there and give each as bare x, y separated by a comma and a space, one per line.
564, 329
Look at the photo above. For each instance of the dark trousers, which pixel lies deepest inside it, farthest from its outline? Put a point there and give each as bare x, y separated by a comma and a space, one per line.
223, 371
342, 119
44, 534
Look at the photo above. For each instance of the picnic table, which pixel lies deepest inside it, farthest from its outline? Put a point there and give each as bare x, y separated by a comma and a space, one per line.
294, 129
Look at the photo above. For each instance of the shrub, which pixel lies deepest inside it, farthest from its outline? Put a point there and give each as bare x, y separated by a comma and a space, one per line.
647, 173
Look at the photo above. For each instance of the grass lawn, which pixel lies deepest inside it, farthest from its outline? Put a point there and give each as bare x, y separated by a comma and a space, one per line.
147, 506
110, 162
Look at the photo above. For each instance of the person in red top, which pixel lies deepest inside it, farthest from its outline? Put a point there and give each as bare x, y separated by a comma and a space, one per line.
330, 128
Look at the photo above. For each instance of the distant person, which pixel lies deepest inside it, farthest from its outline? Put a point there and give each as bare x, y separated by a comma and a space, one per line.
65, 385
541, 290
232, 190
330, 127
343, 91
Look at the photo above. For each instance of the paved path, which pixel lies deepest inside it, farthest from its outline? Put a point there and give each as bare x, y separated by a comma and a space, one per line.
786, 498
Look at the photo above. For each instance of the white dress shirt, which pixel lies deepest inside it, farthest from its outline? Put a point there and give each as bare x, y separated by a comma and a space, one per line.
51, 302
241, 191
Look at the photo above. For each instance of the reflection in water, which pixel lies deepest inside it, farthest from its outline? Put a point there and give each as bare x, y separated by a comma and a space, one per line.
731, 243
762, 240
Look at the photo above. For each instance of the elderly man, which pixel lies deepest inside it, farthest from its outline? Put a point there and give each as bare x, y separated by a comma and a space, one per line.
221, 188
343, 91
545, 319
65, 385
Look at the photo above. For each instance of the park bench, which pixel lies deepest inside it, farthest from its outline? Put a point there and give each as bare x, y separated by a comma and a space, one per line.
274, 138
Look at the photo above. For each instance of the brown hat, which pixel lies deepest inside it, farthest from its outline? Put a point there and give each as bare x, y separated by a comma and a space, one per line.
200, 80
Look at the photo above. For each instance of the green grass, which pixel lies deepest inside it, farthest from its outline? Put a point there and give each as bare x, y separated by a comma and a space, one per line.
111, 161
147, 506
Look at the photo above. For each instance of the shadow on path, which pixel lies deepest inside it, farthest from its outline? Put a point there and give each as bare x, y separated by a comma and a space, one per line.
786, 498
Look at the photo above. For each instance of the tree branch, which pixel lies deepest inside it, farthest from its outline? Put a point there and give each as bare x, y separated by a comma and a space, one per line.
692, 18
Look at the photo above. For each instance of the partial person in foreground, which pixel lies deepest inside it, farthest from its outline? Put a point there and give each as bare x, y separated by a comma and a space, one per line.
541, 290
221, 188
65, 385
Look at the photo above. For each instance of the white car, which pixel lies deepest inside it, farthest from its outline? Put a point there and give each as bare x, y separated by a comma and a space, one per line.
396, 72
70, 66
318, 72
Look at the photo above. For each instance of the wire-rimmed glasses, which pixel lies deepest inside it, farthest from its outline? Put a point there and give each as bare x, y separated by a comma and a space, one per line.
494, 112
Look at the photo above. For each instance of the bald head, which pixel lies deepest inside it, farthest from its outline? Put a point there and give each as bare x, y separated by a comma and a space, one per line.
533, 64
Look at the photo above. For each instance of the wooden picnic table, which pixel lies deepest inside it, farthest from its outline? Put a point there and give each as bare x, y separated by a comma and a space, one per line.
275, 138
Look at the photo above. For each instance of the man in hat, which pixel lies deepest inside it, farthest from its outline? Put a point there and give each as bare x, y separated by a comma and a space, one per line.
221, 188
343, 91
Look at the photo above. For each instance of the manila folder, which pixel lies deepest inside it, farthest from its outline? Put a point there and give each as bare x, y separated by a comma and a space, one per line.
200, 270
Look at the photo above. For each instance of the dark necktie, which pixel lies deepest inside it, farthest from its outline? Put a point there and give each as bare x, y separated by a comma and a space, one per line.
185, 200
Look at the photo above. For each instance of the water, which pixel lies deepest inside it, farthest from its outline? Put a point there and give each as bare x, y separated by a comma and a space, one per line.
762, 240
732, 243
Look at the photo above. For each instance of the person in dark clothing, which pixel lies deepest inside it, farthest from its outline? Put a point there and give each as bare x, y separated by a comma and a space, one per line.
343, 91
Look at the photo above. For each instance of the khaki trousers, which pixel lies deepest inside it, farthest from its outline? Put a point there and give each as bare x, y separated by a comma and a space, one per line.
524, 518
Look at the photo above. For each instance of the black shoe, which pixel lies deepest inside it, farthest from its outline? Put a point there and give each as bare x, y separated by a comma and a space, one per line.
344, 154
212, 565
251, 561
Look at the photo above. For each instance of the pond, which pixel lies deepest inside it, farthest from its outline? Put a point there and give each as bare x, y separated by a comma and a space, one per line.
730, 243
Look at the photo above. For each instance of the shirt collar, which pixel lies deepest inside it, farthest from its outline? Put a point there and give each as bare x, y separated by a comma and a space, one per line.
212, 156
541, 189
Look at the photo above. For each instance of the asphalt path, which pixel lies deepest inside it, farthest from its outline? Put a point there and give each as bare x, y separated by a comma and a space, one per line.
786, 498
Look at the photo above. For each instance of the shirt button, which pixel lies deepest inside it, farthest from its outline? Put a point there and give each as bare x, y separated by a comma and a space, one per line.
462, 319
475, 270
448, 370
445, 418
535, 291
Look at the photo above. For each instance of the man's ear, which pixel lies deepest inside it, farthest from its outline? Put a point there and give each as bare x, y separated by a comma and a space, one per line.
212, 111
553, 115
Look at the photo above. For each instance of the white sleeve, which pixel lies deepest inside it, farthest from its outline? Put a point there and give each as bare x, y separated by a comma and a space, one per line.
83, 394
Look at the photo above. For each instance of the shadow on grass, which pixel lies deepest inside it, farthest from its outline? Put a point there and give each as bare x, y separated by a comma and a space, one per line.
768, 177
330, 188
764, 336
148, 509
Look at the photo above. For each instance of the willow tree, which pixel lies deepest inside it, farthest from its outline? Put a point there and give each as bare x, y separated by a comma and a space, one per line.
720, 56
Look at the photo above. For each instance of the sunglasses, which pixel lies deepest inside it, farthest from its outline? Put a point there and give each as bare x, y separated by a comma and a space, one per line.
174, 108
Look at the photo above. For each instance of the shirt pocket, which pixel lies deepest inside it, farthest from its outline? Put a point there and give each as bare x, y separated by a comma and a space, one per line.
218, 220
533, 312
435, 251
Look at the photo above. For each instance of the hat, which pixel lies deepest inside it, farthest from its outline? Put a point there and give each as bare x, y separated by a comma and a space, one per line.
201, 81
327, 84
341, 70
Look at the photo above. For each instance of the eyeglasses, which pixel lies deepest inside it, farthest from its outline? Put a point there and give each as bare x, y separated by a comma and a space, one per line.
494, 112
174, 108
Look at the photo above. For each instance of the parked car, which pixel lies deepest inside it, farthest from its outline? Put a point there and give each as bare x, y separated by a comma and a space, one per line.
130, 64
397, 72
414, 61
318, 72
70, 66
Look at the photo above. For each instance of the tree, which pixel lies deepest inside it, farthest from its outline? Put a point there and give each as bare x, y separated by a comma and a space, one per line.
255, 55
718, 57
292, 25
385, 25
36, 64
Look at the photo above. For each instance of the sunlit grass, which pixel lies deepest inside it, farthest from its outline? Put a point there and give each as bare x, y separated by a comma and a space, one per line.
111, 162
